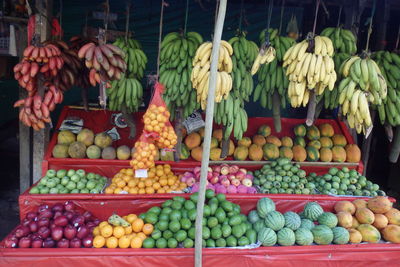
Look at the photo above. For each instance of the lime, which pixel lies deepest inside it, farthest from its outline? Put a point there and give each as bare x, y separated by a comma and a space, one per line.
212, 221
189, 205
220, 197
174, 226
237, 231
192, 215
166, 210
192, 233
206, 211
185, 223
161, 243
184, 213
167, 203
220, 215
243, 241
231, 241
155, 209
175, 215
163, 217
220, 242
204, 222
194, 197
188, 243
180, 235
206, 232
179, 199
142, 216
226, 230
156, 234
148, 243
151, 218
172, 243
209, 193
162, 225
236, 208
176, 205
235, 220
213, 200
210, 243
167, 234
216, 232
213, 208
227, 206
251, 235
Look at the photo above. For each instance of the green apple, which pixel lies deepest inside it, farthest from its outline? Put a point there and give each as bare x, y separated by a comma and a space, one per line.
34, 190
90, 175
64, 191
74, 191
80, 185
81, 172
71, 185
57, 180
97, 176
59, 186
61, 173
84, 191
91, 184
75, 178
43, 181
44, 190
84, 180
94, 191
70, 172
65, 180
54, 190
51, 173
51, 183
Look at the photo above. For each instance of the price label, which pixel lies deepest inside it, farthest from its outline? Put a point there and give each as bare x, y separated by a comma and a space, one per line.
114, 134
141, 173
73, 124
193, 122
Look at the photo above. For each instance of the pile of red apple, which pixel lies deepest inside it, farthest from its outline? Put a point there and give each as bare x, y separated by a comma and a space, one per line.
222, 179
59, 226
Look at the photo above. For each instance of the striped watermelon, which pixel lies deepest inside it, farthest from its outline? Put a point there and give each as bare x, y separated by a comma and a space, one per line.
286, 237
267, 237
275, 220
304, 237
292, 220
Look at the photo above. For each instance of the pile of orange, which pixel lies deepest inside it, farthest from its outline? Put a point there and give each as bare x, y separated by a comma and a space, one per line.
109, 236
155, 120
160, 180
143, 158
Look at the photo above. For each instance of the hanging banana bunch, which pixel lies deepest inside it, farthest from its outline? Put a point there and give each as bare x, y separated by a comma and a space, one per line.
345, 45
309, 67
201, 72
271, 77
177, 52
389, 65
128, 90
362, 83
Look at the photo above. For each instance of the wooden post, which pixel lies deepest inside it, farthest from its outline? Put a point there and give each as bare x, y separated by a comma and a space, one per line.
41, 138
219, 25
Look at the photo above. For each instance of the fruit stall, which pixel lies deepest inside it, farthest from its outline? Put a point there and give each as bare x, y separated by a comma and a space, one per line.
242, 140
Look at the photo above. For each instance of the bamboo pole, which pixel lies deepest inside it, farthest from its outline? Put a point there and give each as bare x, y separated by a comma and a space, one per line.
219, 25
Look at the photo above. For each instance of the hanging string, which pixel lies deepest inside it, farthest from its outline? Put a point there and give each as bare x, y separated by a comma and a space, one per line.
159, 37
270, 6
370, 25
281, 20
339, 17
128, 7
241, 15
186, 16
315, 17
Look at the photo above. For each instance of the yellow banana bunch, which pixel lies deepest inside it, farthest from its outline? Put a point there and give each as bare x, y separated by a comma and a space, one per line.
309, 68
265, 56
201, 72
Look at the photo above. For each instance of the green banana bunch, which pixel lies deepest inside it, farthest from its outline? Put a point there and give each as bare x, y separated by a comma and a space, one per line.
176, 56
244, 54
362, 83
230, 112
389, 64
271, 77
126, 90
135, 58
345, 45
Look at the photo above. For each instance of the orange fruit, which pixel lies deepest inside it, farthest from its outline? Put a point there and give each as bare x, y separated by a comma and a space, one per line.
141, 184
126, 178
99, 241
109, 190
137, 225
117, 191
150, 190
128, 230
118, 231
148, 182
129, 172
104, 223
121, 183
136, 242
148, 228
161, 191
142, 191
131, 217
106, 231
124, 242
112, 242
163, 181
96, 231
156, 186
133, 191
160, 172
171, 181
126, 188
141, 235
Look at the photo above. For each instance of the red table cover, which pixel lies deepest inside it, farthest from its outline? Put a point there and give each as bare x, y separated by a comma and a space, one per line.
382, 254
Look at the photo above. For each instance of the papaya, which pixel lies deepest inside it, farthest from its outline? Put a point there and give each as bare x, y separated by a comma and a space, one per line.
259, 140
326, 142
241, 153
344, 205
264, 130
255, 152
381, 221
369, 233
273, 140
193, 140
338, 154
325, 154
365, 216
286, 152
185, 153
339, 140
231, 148
326, 130
313, 132
197, 153
379, 204
393, 216
391, 233
300, 141
270, 152
360, 203
312, 154
315, 143
355, 236
214, 142
215, 154
245, 141
344, 219
355, 223
300, 130
299, 153
287, 141
201, 132
353, 153
217, 133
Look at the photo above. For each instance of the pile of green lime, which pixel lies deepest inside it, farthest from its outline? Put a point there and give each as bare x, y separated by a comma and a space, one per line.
69, 182
283, 177
174, 223
345, 182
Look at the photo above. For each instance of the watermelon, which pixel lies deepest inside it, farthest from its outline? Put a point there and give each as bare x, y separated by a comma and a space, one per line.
286, 237
323, 235
253, 216
304, 237
307, 224
265, 205
292, 220
258, 225
312, 210
341, 235
267, 237
275, 220
328, 218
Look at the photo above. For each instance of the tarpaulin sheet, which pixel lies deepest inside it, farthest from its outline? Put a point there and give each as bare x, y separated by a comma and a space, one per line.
100, 120
382, 254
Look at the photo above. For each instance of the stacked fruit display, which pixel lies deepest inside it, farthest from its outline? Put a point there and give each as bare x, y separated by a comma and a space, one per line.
160, 179
128, 90
310, 68
389, 64
70, 182
369, 221
88, 145
290, 228
222, 179
121, 232
174, 223
60, 225
177, 52
282, 177
362, 84
344, 182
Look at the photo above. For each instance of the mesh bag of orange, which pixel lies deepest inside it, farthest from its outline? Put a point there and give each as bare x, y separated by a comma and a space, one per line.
156, 120
145, 152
